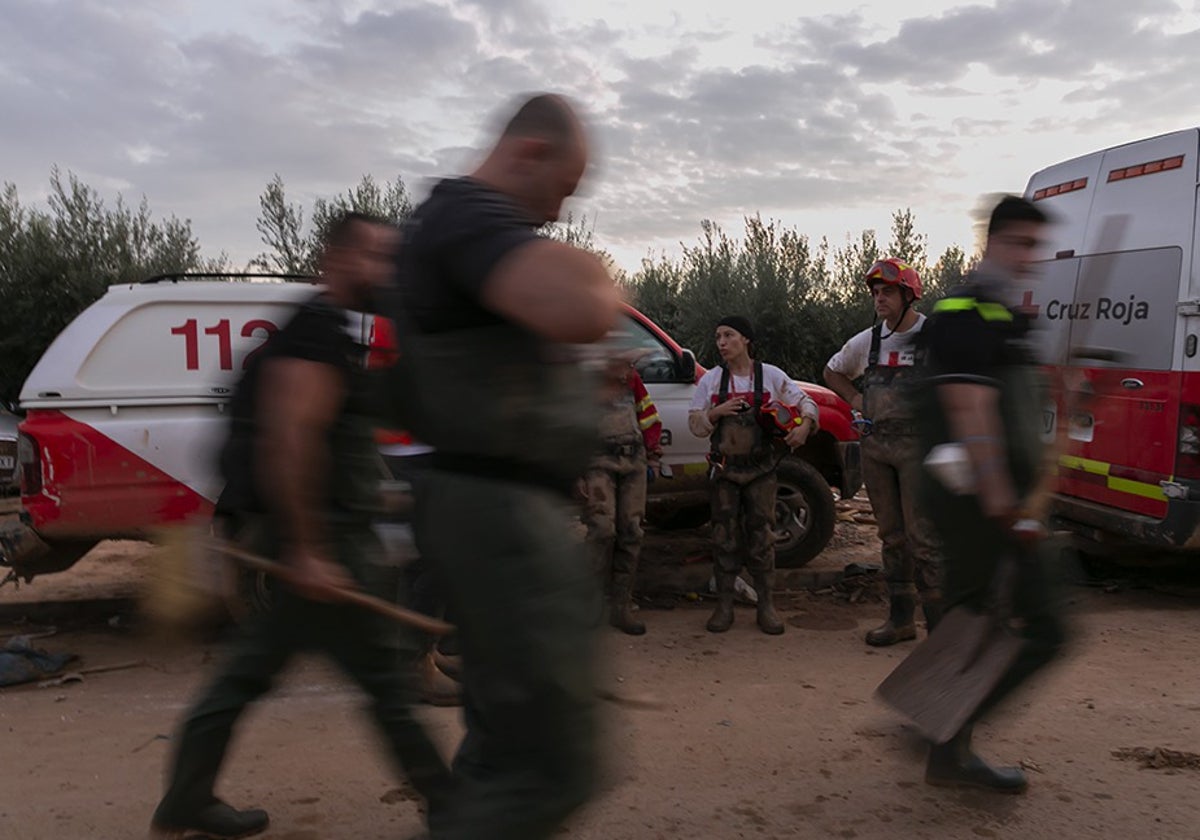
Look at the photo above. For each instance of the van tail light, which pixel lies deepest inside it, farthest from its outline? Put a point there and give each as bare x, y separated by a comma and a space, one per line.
1188, 463
387, 437
30, 465
382, 350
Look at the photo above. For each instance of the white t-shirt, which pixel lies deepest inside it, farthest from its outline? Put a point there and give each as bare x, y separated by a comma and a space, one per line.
777, 386
895, 350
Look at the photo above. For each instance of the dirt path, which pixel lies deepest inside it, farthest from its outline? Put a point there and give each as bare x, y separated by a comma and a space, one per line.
759, 737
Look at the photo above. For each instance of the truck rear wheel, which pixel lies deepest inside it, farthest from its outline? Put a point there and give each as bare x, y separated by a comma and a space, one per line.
804, 513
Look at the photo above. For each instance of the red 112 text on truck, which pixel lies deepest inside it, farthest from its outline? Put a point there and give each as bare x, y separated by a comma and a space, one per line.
125, 411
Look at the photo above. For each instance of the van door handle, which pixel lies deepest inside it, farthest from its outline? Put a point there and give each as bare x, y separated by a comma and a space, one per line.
1132, 384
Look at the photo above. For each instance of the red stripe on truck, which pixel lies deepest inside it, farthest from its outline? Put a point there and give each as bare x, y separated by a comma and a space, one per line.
94, 488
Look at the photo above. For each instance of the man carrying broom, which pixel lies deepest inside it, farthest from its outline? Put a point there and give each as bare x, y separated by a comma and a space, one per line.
302, 486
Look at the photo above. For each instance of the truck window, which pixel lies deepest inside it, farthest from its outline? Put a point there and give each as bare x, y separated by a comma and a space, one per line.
1126, 302
658, 365
1123, 302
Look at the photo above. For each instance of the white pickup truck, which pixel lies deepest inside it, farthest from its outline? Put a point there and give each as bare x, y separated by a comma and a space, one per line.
125, 410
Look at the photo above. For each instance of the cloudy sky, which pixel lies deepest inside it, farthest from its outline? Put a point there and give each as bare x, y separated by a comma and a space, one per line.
827, 118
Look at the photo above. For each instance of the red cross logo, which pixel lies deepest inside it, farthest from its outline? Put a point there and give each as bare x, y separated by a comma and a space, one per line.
1028, 306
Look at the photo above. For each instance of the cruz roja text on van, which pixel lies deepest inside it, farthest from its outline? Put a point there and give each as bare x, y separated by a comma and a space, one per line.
1106, 309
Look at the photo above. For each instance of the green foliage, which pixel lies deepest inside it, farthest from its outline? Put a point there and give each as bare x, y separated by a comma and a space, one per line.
805, 301
54, 263
293, 250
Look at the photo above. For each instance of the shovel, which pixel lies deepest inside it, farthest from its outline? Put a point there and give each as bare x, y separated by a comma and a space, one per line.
946, 678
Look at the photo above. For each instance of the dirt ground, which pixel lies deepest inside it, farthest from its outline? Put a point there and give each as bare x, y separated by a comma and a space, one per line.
756, 736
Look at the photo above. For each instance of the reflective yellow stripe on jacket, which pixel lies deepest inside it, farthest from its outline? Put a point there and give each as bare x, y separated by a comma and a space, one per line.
987, 311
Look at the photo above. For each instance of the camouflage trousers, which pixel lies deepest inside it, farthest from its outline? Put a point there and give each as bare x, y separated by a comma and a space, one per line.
893, 472
743, 522
613, 510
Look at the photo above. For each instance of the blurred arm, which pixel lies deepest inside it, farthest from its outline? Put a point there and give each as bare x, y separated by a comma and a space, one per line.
299, 401
973, 414
557, 291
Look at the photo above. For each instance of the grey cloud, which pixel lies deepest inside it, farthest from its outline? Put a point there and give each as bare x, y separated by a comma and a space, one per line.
199, 125
1021, 38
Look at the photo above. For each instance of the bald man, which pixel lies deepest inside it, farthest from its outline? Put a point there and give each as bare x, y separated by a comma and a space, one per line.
488, 312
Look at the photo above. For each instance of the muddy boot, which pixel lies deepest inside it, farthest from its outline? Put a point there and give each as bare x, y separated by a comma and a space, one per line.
434, 687
932, 607
213, 820
621, 611
768, 619
722, 617
953, 764
899, 627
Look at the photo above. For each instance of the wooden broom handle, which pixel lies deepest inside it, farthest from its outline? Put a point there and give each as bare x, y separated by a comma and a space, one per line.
409, 618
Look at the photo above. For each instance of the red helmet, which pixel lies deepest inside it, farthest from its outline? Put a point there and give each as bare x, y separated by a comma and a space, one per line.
894, 272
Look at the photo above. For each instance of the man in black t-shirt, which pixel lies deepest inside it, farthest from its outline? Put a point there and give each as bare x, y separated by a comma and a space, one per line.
303, 486
984, 401
487, 309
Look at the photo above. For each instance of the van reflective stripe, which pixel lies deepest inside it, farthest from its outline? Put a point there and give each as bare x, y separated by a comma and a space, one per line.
987, 311
1116, 483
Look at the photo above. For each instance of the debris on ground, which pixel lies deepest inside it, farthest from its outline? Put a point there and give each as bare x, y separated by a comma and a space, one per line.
1158, 758
77, 676
21, 662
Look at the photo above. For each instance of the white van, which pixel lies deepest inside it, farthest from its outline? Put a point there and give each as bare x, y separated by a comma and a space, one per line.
1117, 302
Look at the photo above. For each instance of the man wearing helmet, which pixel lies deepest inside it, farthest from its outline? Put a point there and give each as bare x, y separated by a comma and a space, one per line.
887, 358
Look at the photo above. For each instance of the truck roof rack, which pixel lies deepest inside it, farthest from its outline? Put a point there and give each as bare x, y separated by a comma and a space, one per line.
220, 275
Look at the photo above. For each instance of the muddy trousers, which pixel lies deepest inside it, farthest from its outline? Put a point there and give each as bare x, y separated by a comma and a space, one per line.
517, 582
973, 548
893, 472
613, 513
743, 524
370, 650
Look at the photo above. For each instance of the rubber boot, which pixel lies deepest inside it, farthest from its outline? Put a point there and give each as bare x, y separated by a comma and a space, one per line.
933, 609
899, 626
953, 764
722, 617
216, 819
434, 687
621, 611
768, 619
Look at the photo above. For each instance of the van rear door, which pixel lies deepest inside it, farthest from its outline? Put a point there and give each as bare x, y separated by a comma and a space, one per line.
1125, 241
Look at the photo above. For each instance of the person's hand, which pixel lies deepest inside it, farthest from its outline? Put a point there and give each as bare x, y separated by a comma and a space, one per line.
313, 576
856, 402
1023, 530
731, 406
797, 436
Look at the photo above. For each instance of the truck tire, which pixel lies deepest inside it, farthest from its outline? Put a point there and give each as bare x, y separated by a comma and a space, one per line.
804, 513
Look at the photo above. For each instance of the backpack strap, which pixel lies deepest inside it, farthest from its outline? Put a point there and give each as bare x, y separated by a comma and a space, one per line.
758, 385
876, 337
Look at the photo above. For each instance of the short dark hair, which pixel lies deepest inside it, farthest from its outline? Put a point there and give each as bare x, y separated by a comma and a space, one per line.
340, 232
545, 115
1013, 209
